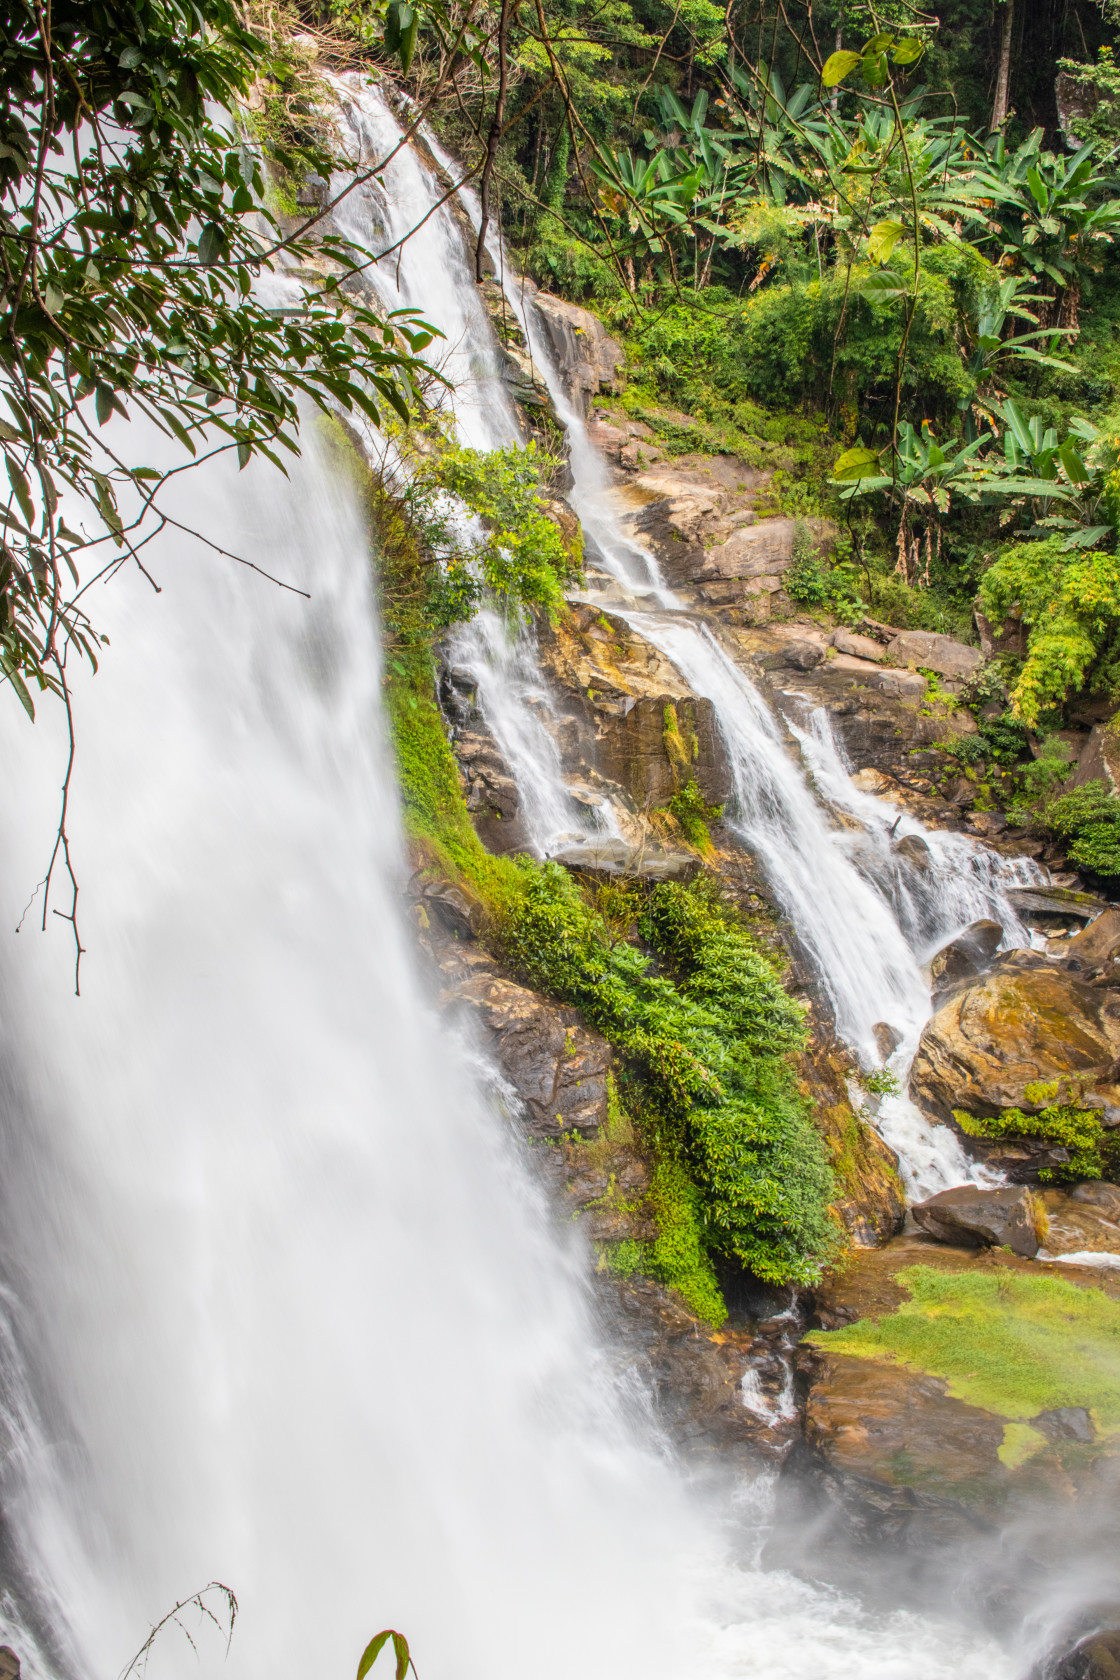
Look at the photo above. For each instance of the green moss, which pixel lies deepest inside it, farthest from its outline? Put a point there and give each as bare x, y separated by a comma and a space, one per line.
678, 1256
1064, 1125
435, 812
693, 814
1015, 1345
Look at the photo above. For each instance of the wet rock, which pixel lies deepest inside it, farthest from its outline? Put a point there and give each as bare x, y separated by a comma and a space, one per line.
966, 956
924, 650
1056, 901
589, 360
915, 851
971, 1217
458, 914
870, 1201
858, 647
1097, 944
1065, 1423
615, 857
1017, 1027
887, 1039
557, 1065
1103, 1196
1096, 1657
9, 1662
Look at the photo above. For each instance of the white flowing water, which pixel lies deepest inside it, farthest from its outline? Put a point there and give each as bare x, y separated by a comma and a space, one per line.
433, 273
866, 919
286, 1309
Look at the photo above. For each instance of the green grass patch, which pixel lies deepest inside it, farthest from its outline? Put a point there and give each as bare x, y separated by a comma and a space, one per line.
1015, 1345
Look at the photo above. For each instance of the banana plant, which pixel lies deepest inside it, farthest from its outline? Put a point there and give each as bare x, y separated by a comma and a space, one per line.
1065, 483
1049, 207
647, 196
925, 473
1009, 301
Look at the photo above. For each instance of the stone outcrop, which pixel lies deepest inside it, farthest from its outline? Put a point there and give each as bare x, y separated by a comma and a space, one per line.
924, 650
966, 956
1015, 1028
588, 359
1100, 757
557, 1065
634, 720
971, 1217
1097, 946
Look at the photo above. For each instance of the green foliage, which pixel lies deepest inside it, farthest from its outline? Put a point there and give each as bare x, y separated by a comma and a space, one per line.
709, 1054
1098, 91
678, 1255
1013, 1344
807, 580
1070, 604
693, 813
134, 222
881, 1082
435, 813
1064, 1125
1087, 820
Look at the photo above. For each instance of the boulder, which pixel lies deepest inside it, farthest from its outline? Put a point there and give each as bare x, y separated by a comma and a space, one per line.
1056, 901
914, 850
587, 358
887, 1039
455, 912
1100, 757
1017, 1027
1096, 944
615, 857
1096, 1657
972, 1217
924, 650
557, 1065
969, 954
858, 647
1106, 1197
794, 654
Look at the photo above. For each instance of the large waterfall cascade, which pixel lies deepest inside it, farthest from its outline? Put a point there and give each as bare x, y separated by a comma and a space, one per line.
867, 930
281, 1305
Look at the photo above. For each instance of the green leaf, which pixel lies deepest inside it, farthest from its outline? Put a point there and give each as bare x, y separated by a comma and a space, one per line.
882, 239
20, 687
859, 462
130, 58
244, 456
909, 50
882, 284
400, 1646
372, 1652
22, 489
837, 66
210, 244
104, 403
875, 69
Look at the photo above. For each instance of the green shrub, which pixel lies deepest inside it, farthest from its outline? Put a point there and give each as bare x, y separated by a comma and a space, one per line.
693, 813
1086, 820
1070, 604
1063, 1125
708, 1053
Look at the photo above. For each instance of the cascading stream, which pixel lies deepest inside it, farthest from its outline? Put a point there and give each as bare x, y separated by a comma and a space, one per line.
866, 929
432, 273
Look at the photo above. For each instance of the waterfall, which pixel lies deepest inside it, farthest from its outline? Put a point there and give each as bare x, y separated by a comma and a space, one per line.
286, 1308
432, 272
866, 930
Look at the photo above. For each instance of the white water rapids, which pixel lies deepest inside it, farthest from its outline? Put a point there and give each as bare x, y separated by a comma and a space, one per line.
283, 1307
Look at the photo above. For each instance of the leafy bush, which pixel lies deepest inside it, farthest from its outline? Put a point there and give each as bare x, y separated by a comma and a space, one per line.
693, 813
1070, 604
1088, 819
708, 1055
807, 579
1063, 1125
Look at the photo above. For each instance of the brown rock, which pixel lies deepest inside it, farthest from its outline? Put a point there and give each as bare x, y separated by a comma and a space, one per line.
557, 1065
1098, 943
588, 359
1100, 757
967, 955
1014, 1028
859, 647
924, 650
971, 1217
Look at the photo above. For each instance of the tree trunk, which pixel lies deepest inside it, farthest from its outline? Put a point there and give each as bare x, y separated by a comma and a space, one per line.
1003, 74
